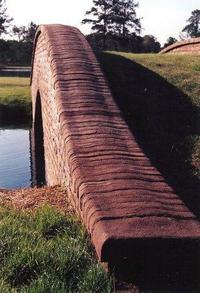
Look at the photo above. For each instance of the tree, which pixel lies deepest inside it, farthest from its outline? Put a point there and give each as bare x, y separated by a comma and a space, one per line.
124, 19
4, 18
19, 31
170, 41
193, 28
101, 12
4, 48
25, 34
132, 43
30, 32
113, 17
150, 44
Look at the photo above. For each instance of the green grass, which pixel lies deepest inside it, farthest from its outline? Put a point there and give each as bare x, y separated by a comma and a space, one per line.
159, 96
47, 252
183, 71
15, 99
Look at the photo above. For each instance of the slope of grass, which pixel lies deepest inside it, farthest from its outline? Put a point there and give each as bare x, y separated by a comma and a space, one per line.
15, 99
183, 71
47, 251
159, 96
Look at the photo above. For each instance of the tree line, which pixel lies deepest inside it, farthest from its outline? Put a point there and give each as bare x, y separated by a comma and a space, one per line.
114, 26
18, 51
16, 48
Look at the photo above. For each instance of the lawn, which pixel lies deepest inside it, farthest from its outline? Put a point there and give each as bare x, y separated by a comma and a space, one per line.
182, 71
159, 96
47, 251
15, 99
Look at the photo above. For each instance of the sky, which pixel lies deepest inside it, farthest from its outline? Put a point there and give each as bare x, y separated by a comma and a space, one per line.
161, 18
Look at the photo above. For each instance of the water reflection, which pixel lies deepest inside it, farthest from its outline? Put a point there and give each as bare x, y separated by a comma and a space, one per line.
21, 158
15, 163
18, 72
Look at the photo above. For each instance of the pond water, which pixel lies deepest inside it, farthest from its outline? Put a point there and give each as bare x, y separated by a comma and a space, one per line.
15, 161
18, 72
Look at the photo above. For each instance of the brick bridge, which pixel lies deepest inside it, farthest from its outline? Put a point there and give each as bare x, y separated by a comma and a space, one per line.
191, 46
121, 197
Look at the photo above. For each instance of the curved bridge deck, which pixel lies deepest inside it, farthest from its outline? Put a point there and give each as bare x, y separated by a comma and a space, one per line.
191, 46
88, 147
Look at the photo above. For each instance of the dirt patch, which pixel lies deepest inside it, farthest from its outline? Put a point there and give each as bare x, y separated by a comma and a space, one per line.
33, 198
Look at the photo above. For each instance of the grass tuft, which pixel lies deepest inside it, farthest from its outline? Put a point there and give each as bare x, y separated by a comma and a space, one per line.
47, 251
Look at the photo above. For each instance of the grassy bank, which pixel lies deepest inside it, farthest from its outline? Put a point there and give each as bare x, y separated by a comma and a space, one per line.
45, 248
159, 96
182, 71
15, 99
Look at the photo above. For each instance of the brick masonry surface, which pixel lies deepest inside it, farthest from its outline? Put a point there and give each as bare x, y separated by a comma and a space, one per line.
191, 46
90, 150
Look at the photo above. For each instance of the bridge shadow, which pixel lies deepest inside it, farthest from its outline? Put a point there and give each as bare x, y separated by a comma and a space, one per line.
159, 268
156, 267
37, 147
162, 118
166, 124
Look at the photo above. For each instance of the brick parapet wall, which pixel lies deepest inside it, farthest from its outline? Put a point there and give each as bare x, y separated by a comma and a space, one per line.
90, 150
191, 46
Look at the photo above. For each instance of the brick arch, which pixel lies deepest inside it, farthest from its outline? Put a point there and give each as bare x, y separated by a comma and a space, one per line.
90, 150
191, 46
